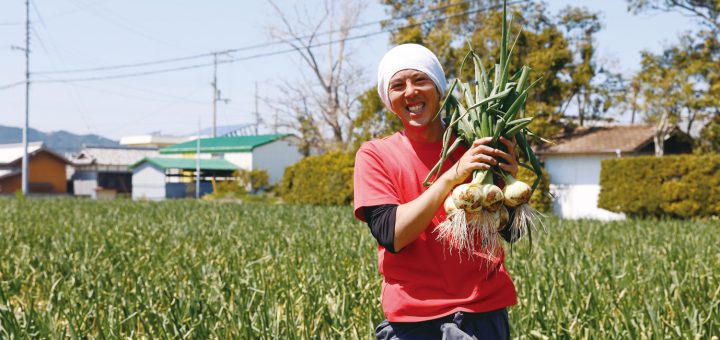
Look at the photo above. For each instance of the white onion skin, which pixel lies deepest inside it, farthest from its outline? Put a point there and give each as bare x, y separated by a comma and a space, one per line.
466, 196
516, 193
492, 197
449, 205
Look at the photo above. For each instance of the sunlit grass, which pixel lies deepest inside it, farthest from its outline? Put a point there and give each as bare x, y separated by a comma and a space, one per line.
202, 270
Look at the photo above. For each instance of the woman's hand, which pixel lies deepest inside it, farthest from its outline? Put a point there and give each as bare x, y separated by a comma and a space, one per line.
509, 159
480, 156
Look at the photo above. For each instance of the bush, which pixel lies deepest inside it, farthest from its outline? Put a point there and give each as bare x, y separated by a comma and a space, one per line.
325, 179
244, 182
678, 186
256, 179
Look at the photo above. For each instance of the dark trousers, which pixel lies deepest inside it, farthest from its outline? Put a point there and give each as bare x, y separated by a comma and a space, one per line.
460, 325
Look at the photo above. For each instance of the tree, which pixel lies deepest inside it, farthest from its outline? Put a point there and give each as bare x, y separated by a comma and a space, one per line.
543, 44
660, 85
668, 91
698, 55
629, 100
709, 141
298, 118
319, 106
708, 11
373, 120
591, 87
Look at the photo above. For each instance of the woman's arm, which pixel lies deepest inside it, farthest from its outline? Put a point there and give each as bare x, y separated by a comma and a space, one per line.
413, 217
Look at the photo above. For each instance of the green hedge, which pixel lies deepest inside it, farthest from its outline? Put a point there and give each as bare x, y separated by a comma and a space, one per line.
328, 180
325, 179
677, 186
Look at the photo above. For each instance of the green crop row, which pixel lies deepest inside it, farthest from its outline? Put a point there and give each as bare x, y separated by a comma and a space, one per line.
80, 268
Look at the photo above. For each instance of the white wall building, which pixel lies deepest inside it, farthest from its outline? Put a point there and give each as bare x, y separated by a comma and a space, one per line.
574, 164
152, 141
102, 171
157, 178
272, 153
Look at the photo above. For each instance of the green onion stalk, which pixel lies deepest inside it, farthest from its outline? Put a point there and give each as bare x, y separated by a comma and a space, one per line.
487, 107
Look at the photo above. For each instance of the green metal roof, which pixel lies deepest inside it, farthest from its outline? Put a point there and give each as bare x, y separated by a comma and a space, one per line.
187, 163
223, 144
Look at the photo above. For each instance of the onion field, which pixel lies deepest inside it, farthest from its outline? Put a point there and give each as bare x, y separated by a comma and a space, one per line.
184, 269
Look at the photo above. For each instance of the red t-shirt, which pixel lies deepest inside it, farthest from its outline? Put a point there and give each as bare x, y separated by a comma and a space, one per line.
424, 280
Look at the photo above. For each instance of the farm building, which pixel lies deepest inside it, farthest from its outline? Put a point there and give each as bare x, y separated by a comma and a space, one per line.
272, 153
161, 178
153, 140
573, 164
103, 172
47, 169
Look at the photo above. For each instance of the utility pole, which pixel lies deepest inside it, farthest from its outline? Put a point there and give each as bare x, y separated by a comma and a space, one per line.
197, 161
25, 173
216, 95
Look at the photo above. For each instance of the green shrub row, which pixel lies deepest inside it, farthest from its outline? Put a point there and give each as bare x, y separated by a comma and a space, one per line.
328, 180
676, 186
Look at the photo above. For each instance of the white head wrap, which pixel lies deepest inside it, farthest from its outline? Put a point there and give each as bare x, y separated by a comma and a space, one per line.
409, 57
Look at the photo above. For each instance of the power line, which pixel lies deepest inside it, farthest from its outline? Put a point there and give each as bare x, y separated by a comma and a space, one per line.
255, 46
11, 85
54, 15
261, 55
255, 56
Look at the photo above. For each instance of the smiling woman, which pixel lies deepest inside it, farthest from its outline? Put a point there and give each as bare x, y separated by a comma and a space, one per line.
413, 97
427, 291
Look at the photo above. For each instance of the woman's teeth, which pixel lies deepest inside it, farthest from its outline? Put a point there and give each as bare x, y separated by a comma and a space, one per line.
416, 108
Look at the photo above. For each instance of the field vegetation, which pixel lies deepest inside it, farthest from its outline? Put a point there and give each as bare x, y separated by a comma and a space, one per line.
81, 268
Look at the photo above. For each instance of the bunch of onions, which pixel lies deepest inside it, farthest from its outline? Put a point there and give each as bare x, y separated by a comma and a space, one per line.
474, 212
516, 196
486, 107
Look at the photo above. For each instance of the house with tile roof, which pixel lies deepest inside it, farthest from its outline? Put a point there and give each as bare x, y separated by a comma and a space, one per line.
46, 169
573, 163
272, 153
103, 171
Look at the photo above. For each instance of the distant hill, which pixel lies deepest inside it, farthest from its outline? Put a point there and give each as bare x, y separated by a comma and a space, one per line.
61, 142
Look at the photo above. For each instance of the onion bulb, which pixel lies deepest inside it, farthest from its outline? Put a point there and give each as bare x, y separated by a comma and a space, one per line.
516, 192
492, 197
466, 196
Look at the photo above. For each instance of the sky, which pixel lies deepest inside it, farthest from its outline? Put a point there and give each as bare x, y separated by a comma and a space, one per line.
80, 34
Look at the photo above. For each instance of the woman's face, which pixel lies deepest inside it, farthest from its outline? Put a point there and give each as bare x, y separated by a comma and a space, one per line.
413, 97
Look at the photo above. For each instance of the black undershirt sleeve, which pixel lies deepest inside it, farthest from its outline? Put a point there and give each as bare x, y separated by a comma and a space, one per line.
381, 220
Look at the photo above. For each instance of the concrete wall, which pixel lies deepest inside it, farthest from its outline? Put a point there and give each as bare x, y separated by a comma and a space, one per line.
574, 201
275, 157
148, 183
244, 160
84, 183
575, 184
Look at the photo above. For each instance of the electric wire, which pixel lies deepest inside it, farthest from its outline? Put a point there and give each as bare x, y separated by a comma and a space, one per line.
255, 56
261, 45
261, 55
